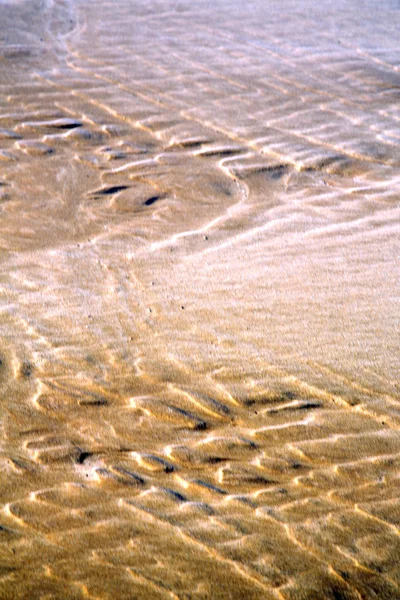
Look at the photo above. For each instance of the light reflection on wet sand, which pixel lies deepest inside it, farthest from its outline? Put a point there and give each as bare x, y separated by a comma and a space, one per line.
199, 300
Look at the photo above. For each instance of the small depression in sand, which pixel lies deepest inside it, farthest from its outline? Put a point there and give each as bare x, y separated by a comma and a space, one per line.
199, 298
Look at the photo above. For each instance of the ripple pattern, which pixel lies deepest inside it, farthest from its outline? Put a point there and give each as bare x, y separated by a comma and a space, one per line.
199, 300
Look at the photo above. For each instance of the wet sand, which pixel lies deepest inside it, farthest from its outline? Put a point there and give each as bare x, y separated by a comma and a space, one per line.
199, 296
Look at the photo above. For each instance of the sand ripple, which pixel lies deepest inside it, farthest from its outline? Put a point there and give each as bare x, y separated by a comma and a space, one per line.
199, 300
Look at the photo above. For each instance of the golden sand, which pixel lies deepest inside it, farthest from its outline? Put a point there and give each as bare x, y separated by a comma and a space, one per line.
199, 296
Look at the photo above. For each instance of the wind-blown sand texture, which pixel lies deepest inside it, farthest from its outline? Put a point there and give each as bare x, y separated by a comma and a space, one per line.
199, 296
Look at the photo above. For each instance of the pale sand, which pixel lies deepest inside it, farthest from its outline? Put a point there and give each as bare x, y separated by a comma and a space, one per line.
199, 294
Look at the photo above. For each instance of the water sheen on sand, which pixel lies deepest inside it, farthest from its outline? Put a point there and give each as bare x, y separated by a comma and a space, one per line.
199, 298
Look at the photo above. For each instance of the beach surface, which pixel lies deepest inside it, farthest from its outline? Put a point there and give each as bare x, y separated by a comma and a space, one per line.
199, 300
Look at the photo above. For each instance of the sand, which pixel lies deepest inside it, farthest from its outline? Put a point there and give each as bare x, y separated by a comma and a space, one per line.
199, 297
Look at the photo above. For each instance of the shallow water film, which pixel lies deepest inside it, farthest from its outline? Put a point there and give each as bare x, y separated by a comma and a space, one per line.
199, 300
